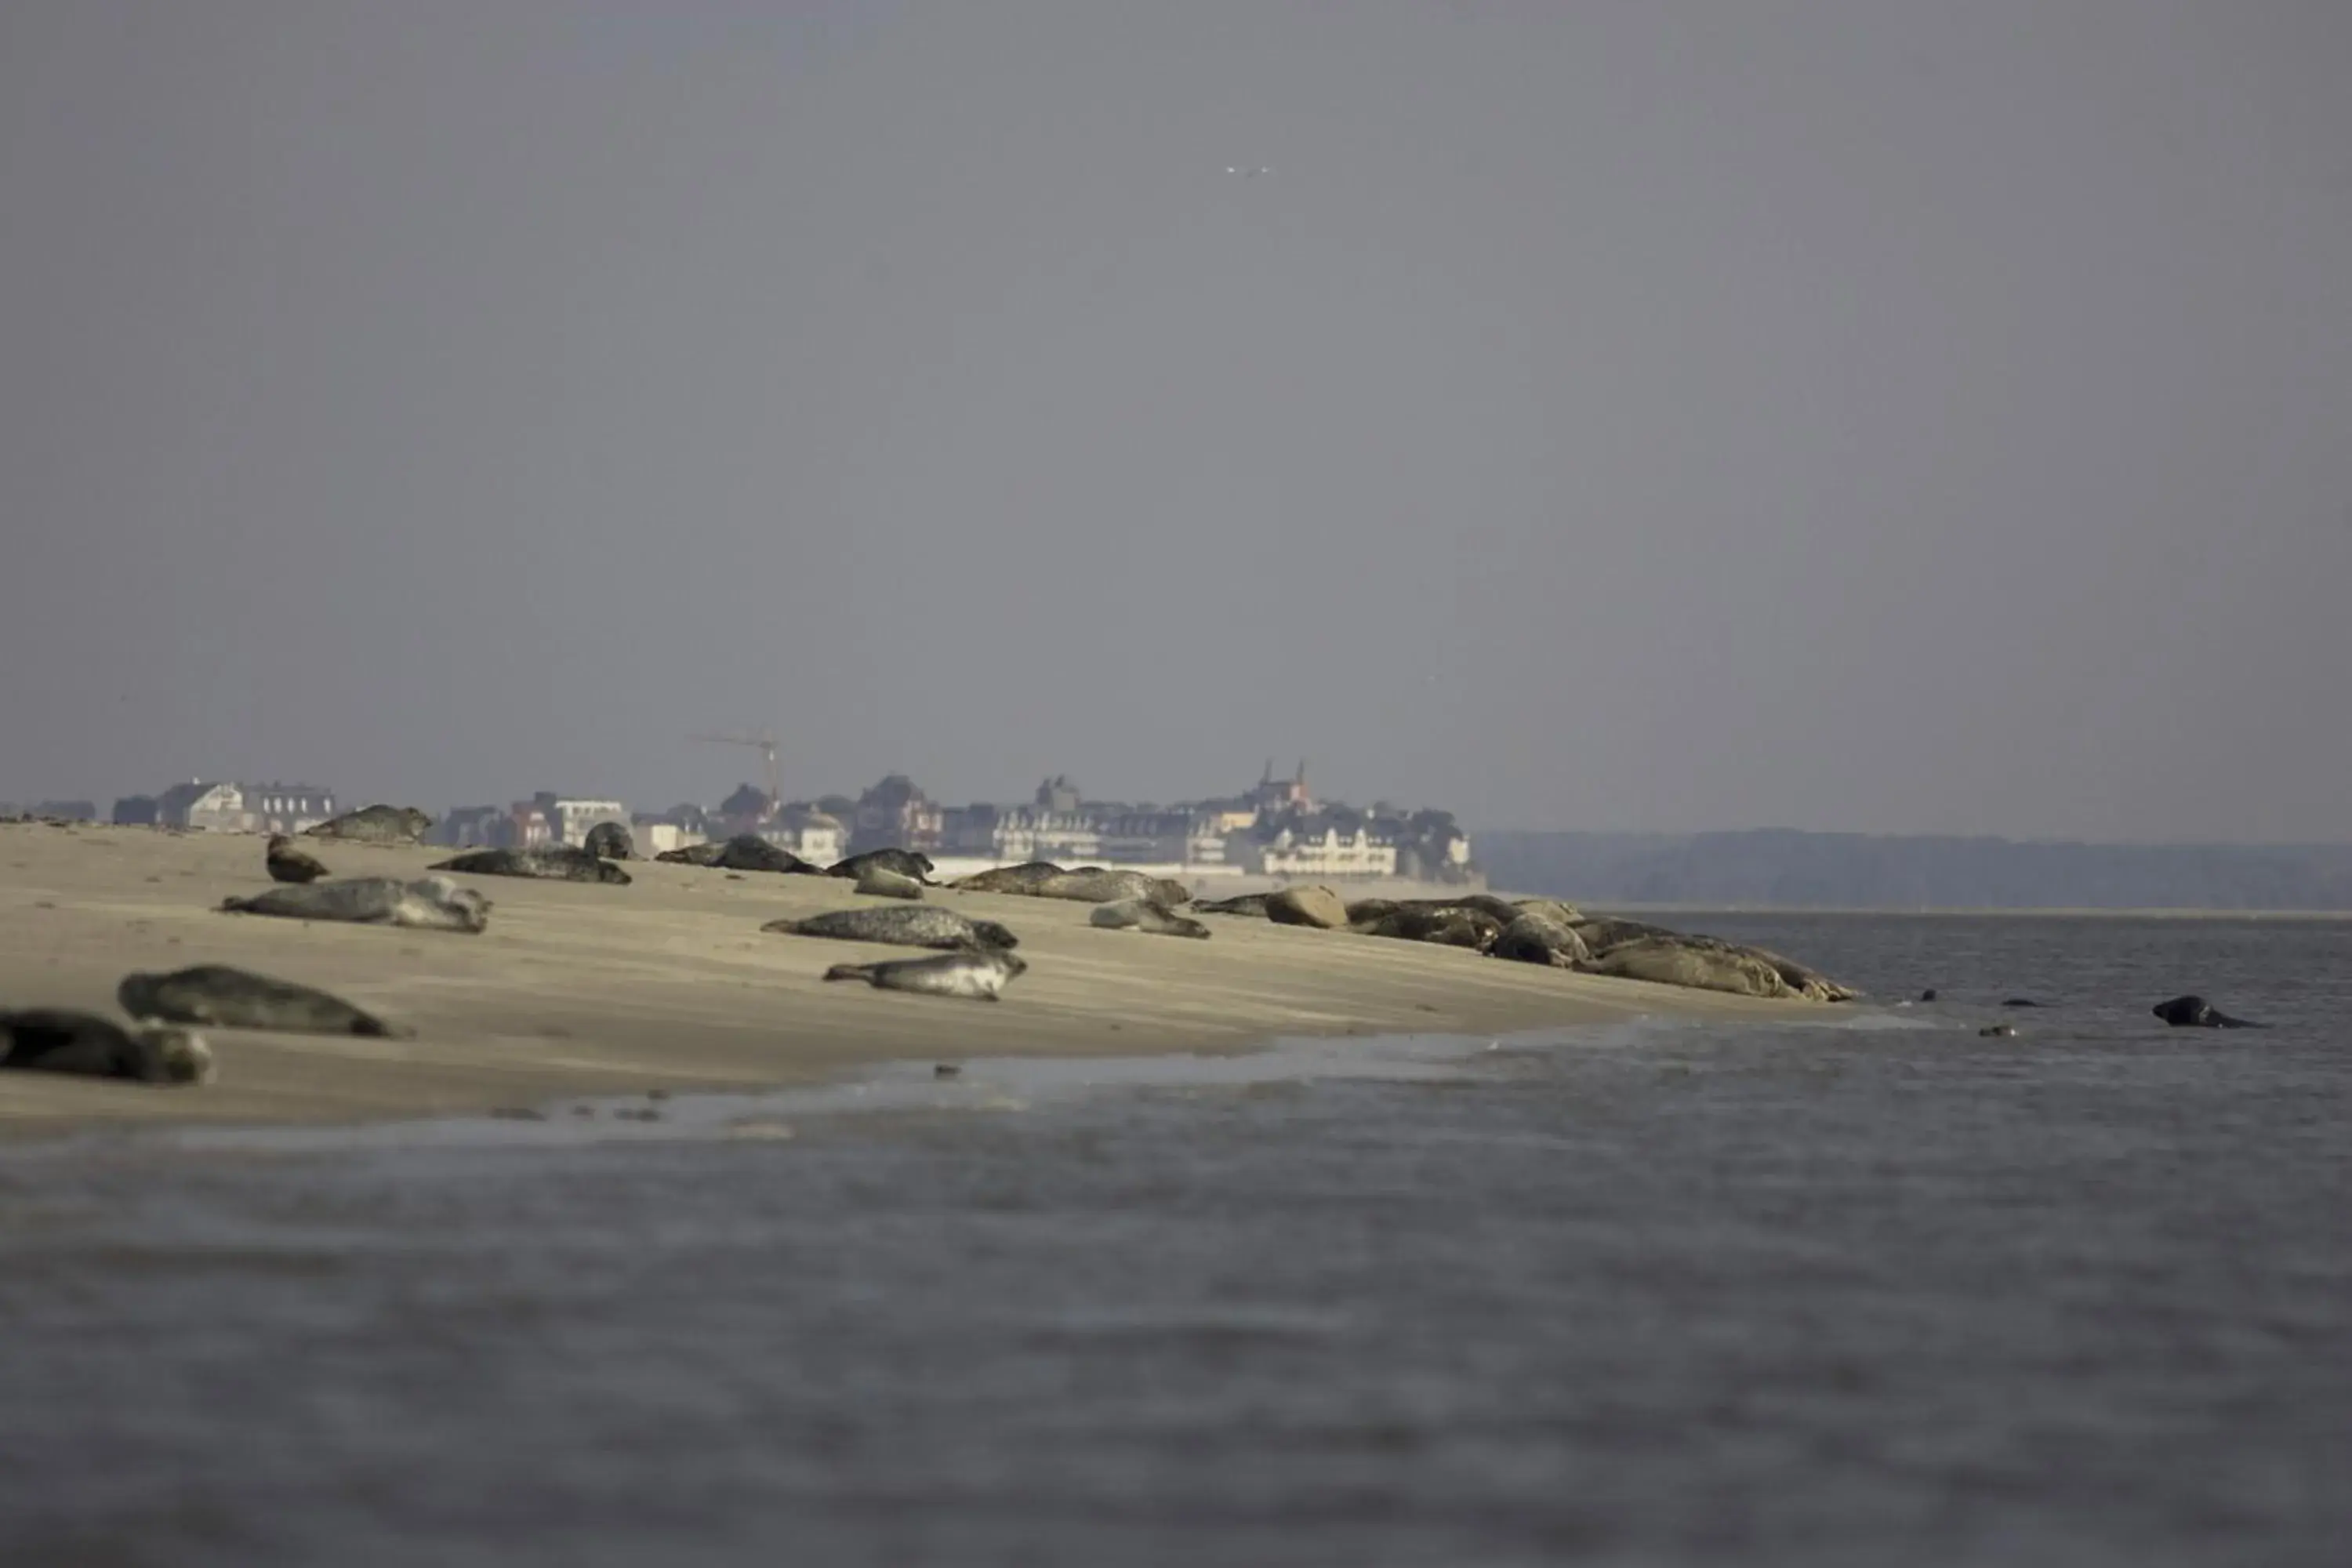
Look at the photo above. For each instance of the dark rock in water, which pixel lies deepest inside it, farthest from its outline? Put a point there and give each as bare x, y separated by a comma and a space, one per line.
744, 852
919, 925
980, 975
611, 841
906, 862
1010, 879
51, 1039
548, 862
430, 904
230, 998
2194, 1012
2019, 1002
1928, 994
374, 825
287, 864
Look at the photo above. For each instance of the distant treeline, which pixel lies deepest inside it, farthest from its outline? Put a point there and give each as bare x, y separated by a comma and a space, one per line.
1851, 870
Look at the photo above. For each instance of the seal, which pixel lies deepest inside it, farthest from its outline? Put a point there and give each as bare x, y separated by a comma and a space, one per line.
881, 882
430, 904
1448, 927
982, 976
374, 825
2193, 1011
610, 841
2019, 1002
287, 864
49, 1039
1536, 937
229, 998
1144, 915
1928, 994
921, 925
908, 863
548, 862
1701, 966
1097, 884
1008, 879
1998, 1032
744, 852
1246, 904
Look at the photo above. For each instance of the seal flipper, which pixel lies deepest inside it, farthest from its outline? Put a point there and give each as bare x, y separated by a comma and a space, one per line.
850, 972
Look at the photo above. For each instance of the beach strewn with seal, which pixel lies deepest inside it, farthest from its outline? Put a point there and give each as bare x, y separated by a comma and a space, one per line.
670, 982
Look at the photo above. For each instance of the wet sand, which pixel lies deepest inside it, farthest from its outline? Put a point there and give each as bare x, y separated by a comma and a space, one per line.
669, 984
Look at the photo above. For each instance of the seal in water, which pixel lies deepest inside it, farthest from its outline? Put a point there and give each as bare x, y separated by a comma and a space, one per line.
1144, 915
1928, 994
2193, 1011
2019, 1002
923, 925
549, 862
978, 974
1998, 1032
49, 1039
906, 862
610, 841
431, 904
882, 882
287, 864
228, 998
374, 825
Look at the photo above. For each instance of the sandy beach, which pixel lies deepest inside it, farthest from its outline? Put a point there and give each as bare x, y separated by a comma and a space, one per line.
669, 984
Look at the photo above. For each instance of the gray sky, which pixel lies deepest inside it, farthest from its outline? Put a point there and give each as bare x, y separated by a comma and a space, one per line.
1839, 414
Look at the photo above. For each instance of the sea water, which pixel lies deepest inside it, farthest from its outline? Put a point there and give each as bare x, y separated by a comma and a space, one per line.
1869, 1291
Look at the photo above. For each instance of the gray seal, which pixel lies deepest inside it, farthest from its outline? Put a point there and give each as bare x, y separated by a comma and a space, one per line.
908, 863
2193, 1011
1447, 926
430, 904
1998, 1032
374, 825
1246, 904
230, 998
744, 852
881, 882
982, 976
548, 862
611, 841
920, 925
1536, 938
1096, 885
1009, 879
1144, 915
48, 1039
287, 864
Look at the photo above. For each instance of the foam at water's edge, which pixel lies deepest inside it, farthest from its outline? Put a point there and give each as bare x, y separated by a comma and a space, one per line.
980, 1084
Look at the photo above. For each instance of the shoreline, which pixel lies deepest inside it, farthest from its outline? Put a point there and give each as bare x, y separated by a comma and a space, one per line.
582, 991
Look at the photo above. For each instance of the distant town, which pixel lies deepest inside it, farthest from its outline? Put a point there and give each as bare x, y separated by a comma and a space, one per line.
1276, 829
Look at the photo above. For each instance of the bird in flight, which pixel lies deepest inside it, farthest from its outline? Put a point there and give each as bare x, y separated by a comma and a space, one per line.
1249, 174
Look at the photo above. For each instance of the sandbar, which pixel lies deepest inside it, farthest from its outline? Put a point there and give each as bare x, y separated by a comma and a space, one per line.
669, 984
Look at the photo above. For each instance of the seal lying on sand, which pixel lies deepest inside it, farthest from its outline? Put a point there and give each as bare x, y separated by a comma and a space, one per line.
1094, 885
744, 852
47, 1039
2193, 1011
374, 825
1247, 904
431, 904
1536, 938
1009, 879
287, 864
881, 882
1447, 926
1144, 915
922, 925
611, 841
906, 862
978, 974
549, 862
229, 998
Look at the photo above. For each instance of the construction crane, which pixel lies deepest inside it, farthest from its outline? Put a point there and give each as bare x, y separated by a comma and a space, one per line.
765, 744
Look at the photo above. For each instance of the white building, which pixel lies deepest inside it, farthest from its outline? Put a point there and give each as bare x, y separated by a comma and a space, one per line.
1332, 852
569, 817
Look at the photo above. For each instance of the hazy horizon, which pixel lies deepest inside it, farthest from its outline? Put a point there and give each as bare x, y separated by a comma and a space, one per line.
1872, 415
